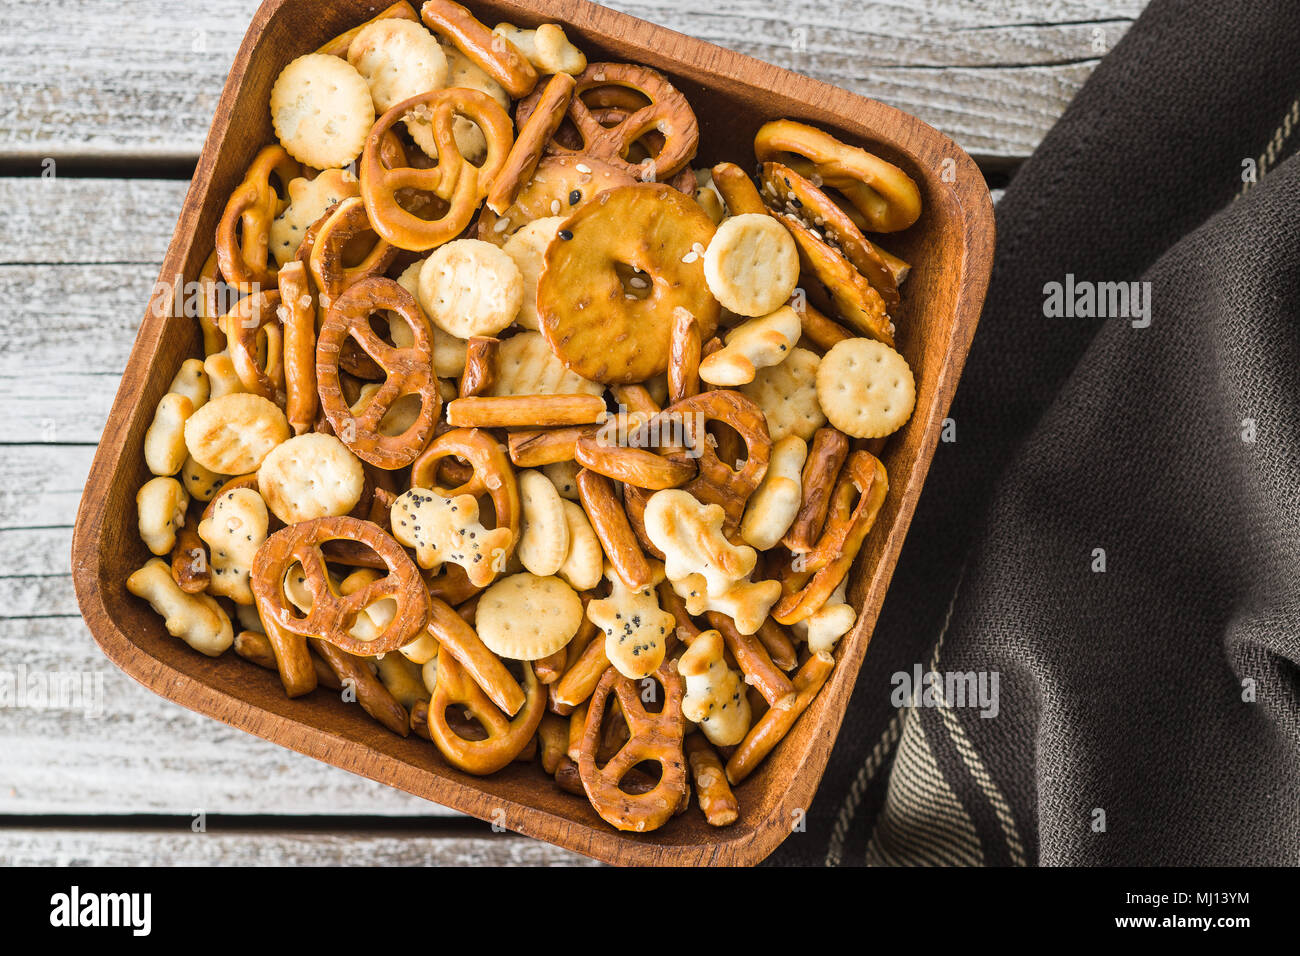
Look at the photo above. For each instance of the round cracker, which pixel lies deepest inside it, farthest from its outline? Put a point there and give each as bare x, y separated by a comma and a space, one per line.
787, 394
321, 110
398, 59
751, 264
448, 350
865, 388
232, 434
527, 248
310, 476
525, 617
470, 287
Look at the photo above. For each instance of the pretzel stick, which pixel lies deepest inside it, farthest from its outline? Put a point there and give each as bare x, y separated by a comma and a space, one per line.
534, 134
634, 502
611, 527
459, 640
480, 366
493, 53
419, 720
737, 190
635, 398
778, 644
553, 740
716, 799
829, 449
684, 357
525, 411
771, 728
534, 447
298, 316
292, 659
550, 668
190, 568
821, 330
452, 585
580, 680
577, 724
671, 601
752, 658
633, 466
371, 694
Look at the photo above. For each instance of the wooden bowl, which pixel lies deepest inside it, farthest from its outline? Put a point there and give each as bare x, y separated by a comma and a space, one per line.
951, 250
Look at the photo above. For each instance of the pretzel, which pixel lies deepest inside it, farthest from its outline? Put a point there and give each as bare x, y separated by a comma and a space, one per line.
825, 458
611, 526
493, 53
770, 729
332, 616
409, 372
593, 325
717, 802
654, 737
298, 330
492, 474
332, 246
561, 185
632, 466
455, 180
684, 357
882, 192
718, 482
209, 282
371, 693
457, 637
521, 162
339, 45
550, 668
480, 366
777, 644
634, 502
552, 741
668, 113
534, 447
505, 737
847, 526
820, 330
513, 411
752, 658
244, 232
582, 676
737, 190
189, 561
253, 339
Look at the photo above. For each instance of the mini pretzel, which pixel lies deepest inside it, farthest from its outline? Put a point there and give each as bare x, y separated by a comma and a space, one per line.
611, 526
778, 645
505, 737
332, 244
582, 675
514, 411
457, 637
770, 729
684, 357
847, 526
370, 691
480, 366
553, 741
409, 372
298, 329
492, 474
717, 802
632, 466
244, 233
825, 458
668, 113
882, 192
332, 616
521, 163
455, 180
253, 337
493, 53
655, 737
718, 482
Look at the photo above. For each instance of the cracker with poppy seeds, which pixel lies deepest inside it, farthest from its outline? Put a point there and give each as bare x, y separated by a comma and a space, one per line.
443, 529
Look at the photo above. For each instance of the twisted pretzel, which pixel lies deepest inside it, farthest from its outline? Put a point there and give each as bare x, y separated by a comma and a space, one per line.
244, 232
884, 194
409, 371
335, 237
492, 474
493, 53
655, 737
254, 339
668, 113
504, 737
847, 526
455, 180
332, 615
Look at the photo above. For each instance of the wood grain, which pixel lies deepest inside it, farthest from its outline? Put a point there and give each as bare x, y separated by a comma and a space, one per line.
130, 79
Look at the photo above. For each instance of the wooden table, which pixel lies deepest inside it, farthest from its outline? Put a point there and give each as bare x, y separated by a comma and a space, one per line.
106, 104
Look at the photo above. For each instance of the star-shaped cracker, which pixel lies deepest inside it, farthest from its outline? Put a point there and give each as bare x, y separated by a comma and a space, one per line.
636, 628
444, 529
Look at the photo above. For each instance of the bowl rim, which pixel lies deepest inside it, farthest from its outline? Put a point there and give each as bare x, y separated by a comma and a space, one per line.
747, 846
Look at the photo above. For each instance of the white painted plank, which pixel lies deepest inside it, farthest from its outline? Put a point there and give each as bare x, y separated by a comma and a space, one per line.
124, 78
32, 846
40, 485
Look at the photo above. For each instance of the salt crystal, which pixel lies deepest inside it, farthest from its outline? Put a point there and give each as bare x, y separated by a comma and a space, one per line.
501, 225
690, 256
582, 168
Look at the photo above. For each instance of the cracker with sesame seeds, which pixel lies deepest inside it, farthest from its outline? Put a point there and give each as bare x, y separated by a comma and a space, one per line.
309, 199
636, 628
443, 529
526, 616
321, 110
787, 394
865, 388
751, 264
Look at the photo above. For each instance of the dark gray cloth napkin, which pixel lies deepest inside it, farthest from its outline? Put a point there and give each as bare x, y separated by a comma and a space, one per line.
1115, 533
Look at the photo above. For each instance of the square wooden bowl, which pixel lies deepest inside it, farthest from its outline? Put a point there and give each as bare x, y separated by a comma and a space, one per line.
951, 250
